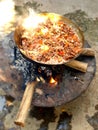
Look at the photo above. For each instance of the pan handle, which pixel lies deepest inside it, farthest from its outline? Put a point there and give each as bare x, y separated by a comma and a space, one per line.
25, 104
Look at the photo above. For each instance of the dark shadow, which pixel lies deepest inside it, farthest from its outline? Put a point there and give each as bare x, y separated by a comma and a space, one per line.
64, 122
47, 114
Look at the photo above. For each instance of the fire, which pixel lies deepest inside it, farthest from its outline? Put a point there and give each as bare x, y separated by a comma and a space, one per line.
53, 81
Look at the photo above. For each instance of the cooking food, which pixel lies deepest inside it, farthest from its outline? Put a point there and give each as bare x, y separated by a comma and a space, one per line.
51, 42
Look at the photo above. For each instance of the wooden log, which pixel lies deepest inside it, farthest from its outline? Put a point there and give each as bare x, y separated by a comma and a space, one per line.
25, 104
88, 52
78, 65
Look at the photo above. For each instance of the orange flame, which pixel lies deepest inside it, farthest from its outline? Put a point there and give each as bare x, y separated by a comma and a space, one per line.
53, 81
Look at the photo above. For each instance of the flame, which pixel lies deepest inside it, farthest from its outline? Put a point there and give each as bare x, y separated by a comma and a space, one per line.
6, 11
53, 81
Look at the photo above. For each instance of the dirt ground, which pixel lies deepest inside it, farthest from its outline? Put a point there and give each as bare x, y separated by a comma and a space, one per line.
80, 114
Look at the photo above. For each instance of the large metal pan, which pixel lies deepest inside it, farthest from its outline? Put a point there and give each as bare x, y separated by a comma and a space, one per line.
19, 30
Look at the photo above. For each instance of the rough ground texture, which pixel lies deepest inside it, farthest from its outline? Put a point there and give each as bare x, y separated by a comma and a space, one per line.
80, 114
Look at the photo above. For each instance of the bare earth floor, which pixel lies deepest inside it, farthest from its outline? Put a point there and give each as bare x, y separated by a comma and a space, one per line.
79, 114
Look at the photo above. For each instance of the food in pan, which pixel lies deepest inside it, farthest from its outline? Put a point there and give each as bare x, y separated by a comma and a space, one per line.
51, 42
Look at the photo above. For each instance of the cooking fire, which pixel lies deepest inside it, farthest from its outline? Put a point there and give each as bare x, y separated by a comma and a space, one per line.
55, 81
47, 45
33, 70
45, 49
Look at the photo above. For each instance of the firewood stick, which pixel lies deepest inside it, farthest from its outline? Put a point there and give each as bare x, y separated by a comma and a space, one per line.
88, 52
25, 104
78, 65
